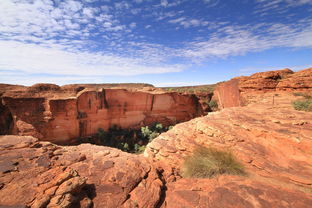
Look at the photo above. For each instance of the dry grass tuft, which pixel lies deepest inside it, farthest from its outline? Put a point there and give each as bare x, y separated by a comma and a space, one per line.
210, 162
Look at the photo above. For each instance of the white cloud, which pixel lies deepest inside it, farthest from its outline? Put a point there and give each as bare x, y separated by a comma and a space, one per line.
164, 3
211, 3
231, 41
46, 19
186, 23
132, 25
36, 59
264, 7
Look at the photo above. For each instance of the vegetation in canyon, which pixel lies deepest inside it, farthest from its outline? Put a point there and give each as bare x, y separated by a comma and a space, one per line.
210, 162
127, 140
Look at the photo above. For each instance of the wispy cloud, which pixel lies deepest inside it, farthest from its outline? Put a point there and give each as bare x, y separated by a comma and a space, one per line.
102, 38
188, 22
44, 36
238, 40
280, 6
33, 58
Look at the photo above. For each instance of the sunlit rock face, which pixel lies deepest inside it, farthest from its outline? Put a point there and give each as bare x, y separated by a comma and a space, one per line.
60, 115
240, 91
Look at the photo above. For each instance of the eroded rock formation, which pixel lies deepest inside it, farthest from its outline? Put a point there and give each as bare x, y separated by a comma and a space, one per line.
41, 174
241, 90
268, 137
57, 114
272, 142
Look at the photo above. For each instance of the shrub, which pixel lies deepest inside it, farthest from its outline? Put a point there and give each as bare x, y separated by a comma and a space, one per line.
305, 95
158, 126
210, 162
213, 104
303, 105
138, 149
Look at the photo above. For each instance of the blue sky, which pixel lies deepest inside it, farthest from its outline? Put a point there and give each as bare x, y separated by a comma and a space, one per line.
162, 42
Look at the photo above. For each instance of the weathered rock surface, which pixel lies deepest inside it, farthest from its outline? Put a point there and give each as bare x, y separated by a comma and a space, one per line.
56, 114
271, 139
263, 80
301, 80
240, 91
273, 142
228, 95
41, 174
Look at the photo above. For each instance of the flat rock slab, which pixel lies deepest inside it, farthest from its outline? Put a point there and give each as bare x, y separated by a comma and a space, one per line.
42, 174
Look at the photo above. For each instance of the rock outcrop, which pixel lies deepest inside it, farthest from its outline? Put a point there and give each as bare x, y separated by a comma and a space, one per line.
228, 95
240, 91
267, 136
301, 80
41, 174
272, 142
263, 81
56, 114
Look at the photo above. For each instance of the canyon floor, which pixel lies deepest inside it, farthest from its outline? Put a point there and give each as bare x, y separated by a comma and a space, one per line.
272, 140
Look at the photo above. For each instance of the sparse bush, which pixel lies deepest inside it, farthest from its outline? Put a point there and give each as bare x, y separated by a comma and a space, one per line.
303, 105
138, 149
213, 104
210, 162
152, 132
305, 95
127, 140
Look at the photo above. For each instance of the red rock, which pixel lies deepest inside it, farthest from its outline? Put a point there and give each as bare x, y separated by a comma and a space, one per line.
104, 177
241, 91
54, 114
263, 80
275, 152
228, 95
301, 80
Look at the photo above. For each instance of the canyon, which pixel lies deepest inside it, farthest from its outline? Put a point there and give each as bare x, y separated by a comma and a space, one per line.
256, 122
63, 114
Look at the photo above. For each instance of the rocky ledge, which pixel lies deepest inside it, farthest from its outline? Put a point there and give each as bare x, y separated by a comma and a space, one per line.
273, 142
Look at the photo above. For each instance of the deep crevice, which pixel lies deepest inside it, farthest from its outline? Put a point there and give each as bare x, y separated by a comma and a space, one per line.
163, 193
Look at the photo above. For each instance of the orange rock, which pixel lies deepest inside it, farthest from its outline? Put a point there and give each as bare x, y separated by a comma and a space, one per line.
301, 80
41, 174
263, 80
266, 139
48, 112
272, 142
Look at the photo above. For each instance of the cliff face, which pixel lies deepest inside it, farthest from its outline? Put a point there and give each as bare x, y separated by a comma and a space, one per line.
59, 116
273, 144
243, 90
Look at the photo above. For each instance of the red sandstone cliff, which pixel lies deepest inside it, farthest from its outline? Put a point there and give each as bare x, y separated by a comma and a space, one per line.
271, 140
273, 144
60, 114
242, 90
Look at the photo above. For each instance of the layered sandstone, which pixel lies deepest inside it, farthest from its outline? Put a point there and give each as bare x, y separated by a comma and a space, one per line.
264, 81
301, 80
58, 114
240, 91
272, 142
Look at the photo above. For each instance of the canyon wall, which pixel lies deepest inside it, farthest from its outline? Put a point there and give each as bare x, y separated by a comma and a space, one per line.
57, 115
240, 91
